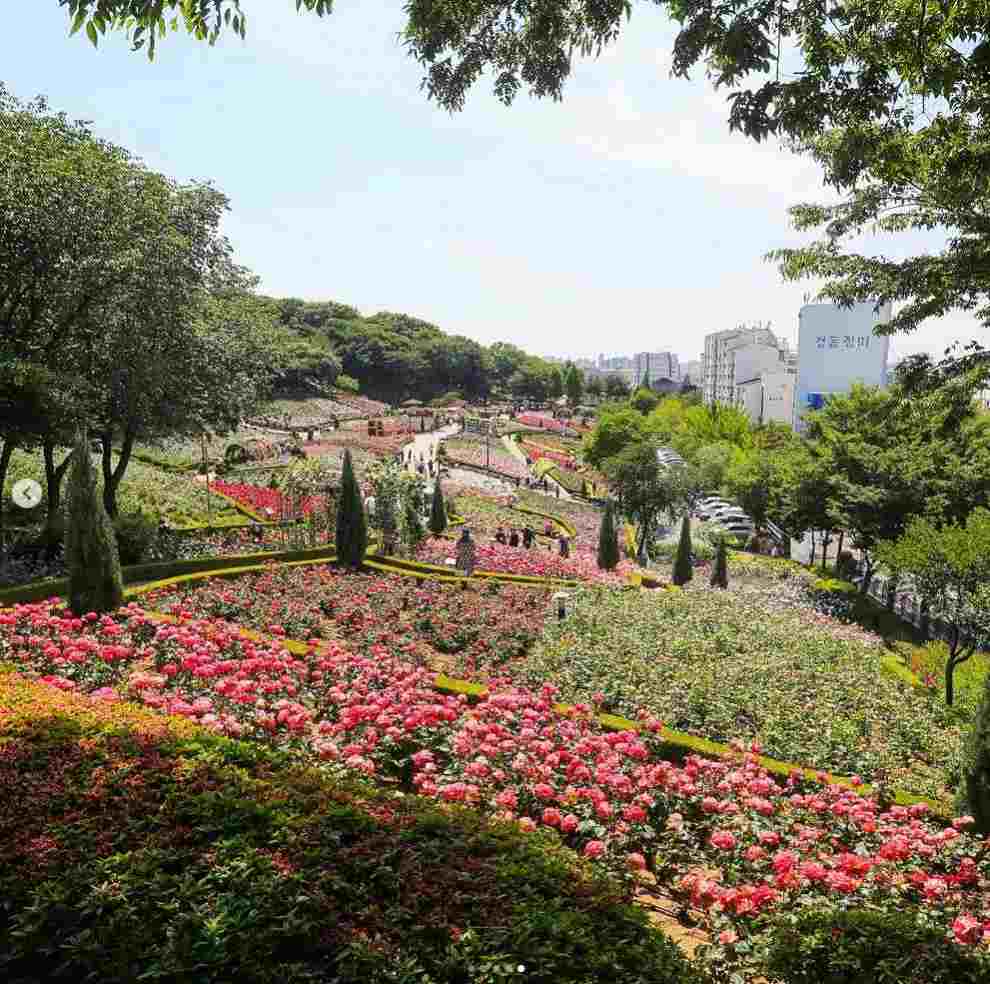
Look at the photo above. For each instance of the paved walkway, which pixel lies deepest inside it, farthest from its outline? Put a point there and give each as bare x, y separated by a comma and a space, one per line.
553, 486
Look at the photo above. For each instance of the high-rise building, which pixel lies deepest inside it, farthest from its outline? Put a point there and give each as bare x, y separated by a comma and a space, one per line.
769, 396
656, 366
691, 373
719, 374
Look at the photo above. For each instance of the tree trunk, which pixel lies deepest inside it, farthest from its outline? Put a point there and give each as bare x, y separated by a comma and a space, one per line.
891, 592
112, 476
925, 618
813, 547
6, 451
838, 552
54, 474
864, 588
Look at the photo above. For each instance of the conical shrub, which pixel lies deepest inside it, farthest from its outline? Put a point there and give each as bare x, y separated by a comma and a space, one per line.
720, 570
683, 568
438, 511
95, 582
976, 768
352, 526
608, 543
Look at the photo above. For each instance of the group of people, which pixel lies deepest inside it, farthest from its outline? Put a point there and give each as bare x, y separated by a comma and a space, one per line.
527, 537
426, 466
466, 546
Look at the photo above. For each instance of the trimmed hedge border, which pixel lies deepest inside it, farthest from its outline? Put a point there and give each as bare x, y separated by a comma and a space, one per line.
169, 570
399, 565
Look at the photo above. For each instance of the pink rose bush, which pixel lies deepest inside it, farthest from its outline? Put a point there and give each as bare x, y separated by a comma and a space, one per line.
426, 621
538, 561
734, 841
266, 501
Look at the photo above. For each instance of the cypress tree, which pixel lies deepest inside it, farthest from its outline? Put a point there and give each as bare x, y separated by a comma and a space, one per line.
608, 544
976, 770
720, 570
438, 511
683, 569
95, 582
352, 527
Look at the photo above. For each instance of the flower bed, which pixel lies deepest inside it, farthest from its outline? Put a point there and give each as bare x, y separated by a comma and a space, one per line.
484, 513
582, 564
432, 623
754, 662
737, 844
562, 458
472, 451
267, 502
357, 440
220, 861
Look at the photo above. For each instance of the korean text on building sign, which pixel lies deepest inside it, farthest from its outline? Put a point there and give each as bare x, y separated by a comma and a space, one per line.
843, 341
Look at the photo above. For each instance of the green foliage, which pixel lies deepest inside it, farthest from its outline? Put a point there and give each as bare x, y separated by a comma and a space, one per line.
95, 583
720, 569
608, 543
644, 400
348, 384
573, 384
352, 527
683, 568
862, 946
950, 566
438, 511
976, 768
135, 533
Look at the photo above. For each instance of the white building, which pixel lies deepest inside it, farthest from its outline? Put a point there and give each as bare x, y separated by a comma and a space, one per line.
656, 365
691, 372
768, 396
836, 348
719, 376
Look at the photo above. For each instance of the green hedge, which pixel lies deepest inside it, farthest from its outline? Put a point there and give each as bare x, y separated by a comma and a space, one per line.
562, 523
169, 572
399, 565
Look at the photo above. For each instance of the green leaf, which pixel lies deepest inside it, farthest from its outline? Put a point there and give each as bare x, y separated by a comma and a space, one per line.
91, 33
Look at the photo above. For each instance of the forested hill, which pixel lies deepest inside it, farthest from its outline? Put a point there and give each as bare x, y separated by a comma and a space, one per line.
396, 356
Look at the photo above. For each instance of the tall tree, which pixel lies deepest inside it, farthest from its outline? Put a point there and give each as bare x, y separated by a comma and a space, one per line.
556, 389
616, 388
352, 526
683, 567
608, 542
595, 388
888, 457
573, 384
635, 476
95, 582
438, 511
950, 568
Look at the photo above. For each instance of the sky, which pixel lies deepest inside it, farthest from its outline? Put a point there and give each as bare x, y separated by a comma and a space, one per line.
624, 218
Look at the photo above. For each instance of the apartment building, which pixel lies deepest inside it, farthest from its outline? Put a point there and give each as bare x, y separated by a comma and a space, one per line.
755, 349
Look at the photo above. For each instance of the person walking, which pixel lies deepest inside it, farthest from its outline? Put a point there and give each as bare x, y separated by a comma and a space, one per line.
528, 537
548, 528
466, 553
514, 539
565, 547
500, 536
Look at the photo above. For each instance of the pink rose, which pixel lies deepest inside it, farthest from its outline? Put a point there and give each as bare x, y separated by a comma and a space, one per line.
594, 849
